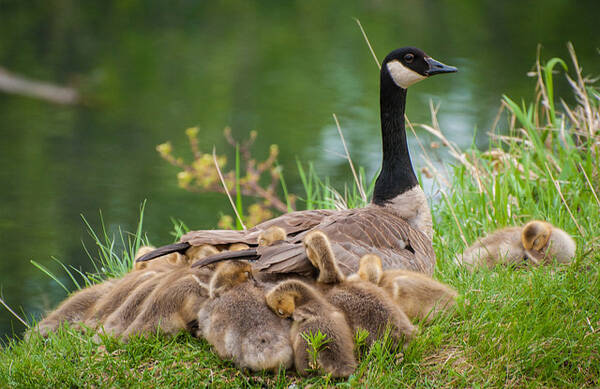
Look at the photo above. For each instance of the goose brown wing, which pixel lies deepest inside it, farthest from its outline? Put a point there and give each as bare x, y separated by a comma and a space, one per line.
375, 230
352, 234
293, 223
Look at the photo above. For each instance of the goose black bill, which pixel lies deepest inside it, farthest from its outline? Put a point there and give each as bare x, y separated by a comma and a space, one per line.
436, 67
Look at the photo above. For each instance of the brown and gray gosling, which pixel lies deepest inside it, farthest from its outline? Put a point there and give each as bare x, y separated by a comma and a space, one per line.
238, 324
537, 242
311, 313
83, 304
419, 296
271, 235
365, 305
114, 298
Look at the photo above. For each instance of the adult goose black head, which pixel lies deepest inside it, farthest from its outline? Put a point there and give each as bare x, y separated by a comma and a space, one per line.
396, 226
400, 69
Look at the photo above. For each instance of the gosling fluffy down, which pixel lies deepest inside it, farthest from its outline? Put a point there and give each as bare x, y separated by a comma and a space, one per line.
538, 242
96, 302
237, 322
364, 304
311, 314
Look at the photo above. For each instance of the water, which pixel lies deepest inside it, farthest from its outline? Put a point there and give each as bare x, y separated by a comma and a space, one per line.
152, 69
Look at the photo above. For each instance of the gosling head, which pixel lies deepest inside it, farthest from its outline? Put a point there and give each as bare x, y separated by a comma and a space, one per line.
271, 235
370, 268
283, 305
228, 275
196, 253
321, 255
535, 235
172, 259
316, 245
409, 65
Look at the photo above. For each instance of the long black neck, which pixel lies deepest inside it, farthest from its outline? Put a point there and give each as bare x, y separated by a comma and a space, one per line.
397, 174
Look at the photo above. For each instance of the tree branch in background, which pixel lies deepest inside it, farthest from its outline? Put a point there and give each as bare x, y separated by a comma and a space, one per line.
12, 83
201, 176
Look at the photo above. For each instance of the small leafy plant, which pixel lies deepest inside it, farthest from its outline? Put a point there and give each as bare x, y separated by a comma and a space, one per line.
360, 341
317, 342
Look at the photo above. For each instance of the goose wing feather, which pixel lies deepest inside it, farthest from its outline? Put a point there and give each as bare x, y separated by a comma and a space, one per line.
292, 223
352, 234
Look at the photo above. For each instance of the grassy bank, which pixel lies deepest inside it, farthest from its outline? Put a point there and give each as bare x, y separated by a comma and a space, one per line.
513, 327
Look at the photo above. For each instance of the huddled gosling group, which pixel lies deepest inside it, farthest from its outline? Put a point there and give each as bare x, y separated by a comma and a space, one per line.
262, 324
255, 322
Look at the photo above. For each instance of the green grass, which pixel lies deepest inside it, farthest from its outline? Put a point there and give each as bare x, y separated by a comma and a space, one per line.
524, 327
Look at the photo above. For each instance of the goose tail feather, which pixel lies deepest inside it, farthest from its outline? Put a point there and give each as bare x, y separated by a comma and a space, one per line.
164, 250
248, 255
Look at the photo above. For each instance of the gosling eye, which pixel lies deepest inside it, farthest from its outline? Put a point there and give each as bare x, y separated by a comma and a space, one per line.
408, 58
280, 311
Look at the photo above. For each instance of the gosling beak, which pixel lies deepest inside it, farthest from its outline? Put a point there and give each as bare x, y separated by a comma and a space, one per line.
436, 67
535, 256
251, 277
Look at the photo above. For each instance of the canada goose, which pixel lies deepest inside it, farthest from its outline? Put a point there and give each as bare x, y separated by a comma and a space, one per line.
364, 304
75, 308
536, 242
396, 225
312, 313
143, 250
238, 324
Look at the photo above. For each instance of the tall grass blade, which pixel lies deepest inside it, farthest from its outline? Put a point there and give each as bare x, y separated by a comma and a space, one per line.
237, 214
364, 34
49, 274
238, 191
14, 313
73, 279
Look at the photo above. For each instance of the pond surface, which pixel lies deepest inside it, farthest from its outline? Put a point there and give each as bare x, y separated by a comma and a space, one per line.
151, 69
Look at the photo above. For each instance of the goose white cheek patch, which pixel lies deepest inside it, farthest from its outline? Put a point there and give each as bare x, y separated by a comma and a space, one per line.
403, 76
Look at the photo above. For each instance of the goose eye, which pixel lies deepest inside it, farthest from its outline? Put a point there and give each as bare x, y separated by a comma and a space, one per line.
408, 58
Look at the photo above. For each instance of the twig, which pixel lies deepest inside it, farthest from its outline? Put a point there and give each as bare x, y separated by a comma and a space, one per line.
583, 95
462, 235
589, 183
590, 324
497, 118
14, 314
557, 186
368, 43
438, 176
214, 154
363, 195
